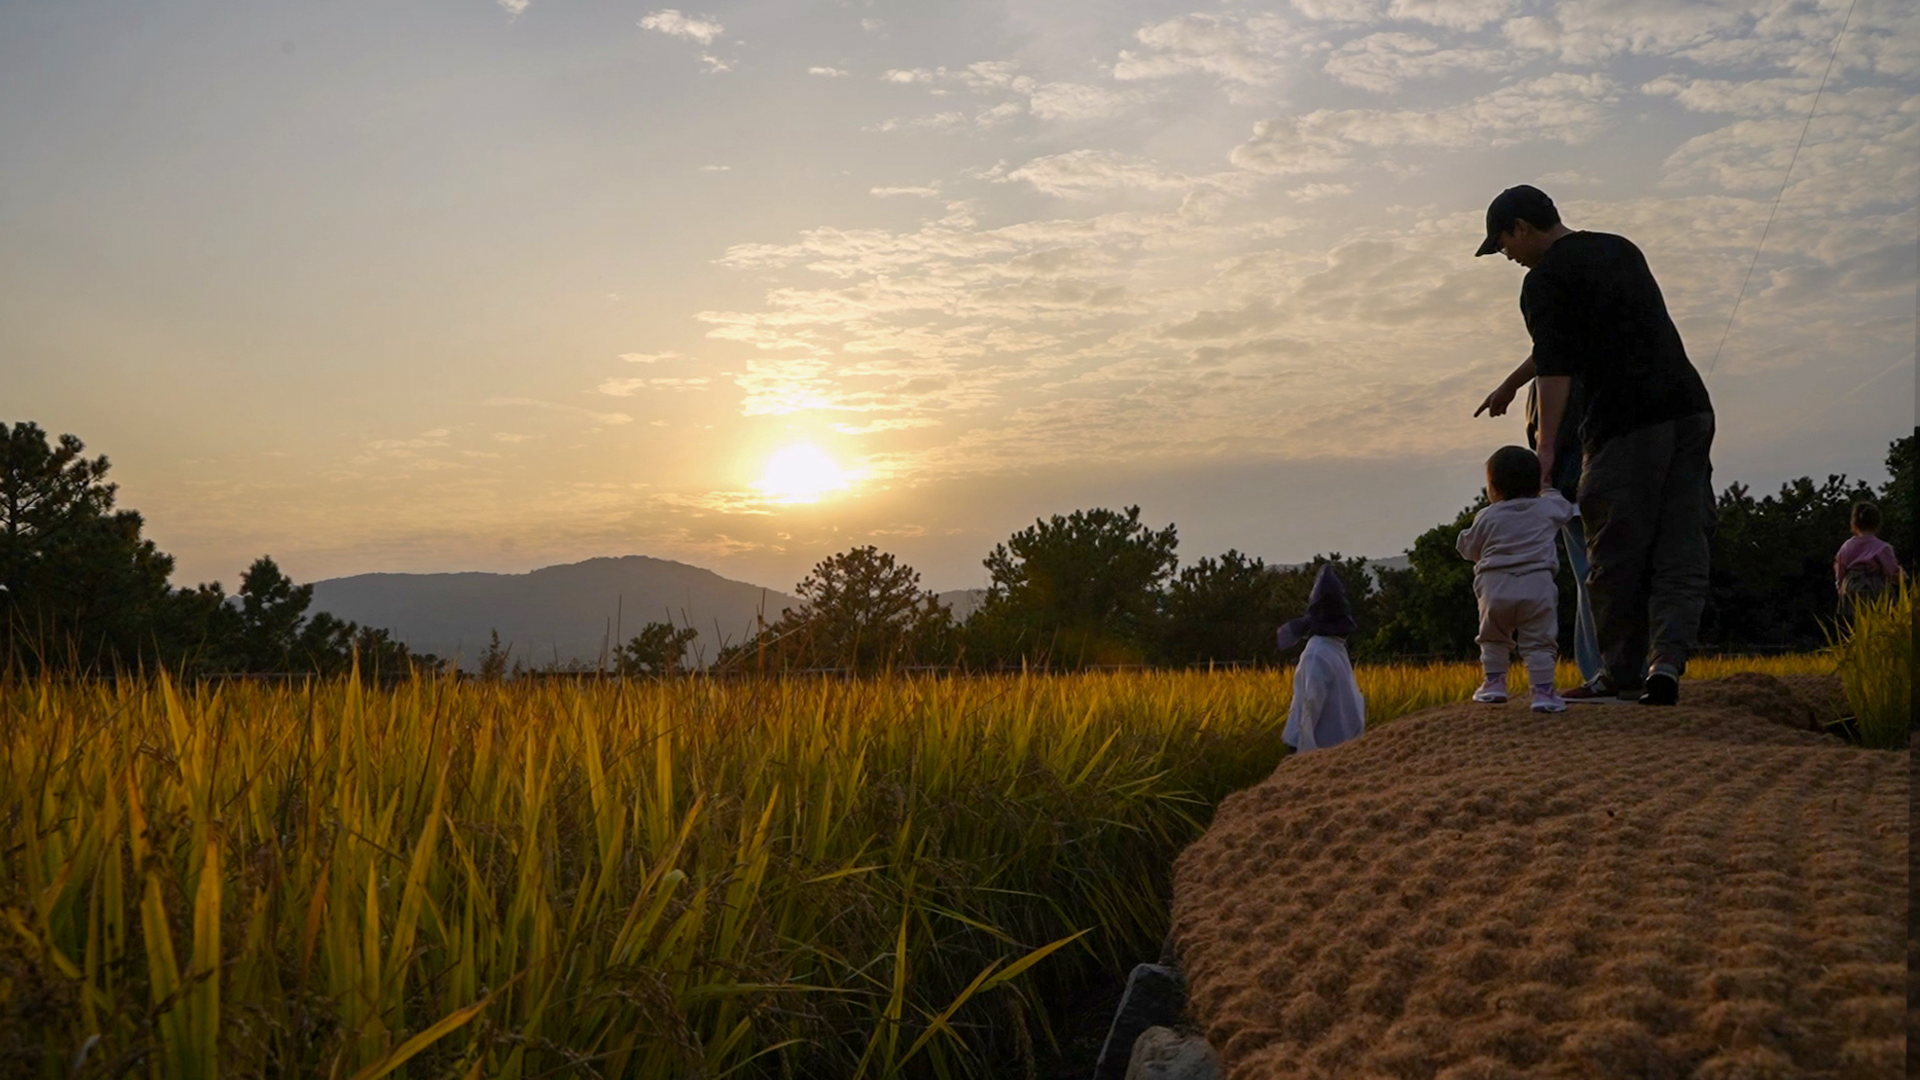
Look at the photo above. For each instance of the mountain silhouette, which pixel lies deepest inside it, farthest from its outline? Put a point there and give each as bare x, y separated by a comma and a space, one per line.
564, 614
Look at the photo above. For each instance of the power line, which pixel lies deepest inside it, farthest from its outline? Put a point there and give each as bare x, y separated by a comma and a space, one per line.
1783, 189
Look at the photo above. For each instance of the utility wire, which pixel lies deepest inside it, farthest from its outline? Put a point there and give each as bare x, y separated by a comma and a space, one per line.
1783, 189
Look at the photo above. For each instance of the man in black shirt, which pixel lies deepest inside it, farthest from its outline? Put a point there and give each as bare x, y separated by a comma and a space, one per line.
1595, 314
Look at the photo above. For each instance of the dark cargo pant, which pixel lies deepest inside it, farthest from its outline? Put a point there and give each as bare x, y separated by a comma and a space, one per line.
1647, 500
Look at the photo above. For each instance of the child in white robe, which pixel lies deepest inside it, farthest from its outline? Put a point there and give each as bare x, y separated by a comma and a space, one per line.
1328, 708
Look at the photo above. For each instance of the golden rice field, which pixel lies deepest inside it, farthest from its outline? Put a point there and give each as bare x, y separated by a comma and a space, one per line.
695, 878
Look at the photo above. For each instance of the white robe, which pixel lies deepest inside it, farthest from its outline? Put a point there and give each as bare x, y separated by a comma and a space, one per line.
1327, 706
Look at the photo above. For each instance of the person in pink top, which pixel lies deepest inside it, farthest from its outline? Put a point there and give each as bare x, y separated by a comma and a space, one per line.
1865, 564
1511, 543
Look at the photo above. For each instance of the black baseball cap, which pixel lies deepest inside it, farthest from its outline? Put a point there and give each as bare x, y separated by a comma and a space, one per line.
1525, 201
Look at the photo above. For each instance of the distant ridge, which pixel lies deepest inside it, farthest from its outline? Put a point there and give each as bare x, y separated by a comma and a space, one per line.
567, 613
564, 613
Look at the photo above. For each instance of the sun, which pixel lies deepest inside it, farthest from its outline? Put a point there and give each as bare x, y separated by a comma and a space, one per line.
801, 474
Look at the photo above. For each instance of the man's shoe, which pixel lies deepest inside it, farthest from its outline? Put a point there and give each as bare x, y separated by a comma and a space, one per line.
1662, 689
1493, 691
1545, 700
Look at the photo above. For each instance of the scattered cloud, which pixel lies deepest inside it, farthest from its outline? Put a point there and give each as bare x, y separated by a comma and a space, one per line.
552, 406
1454, 14
673, 23
515, 8
828, 72
1250, 50
928, 191
649, 358
716, 168
1080, 101
1563, 107
1316, 192
1388, 61
1341, 11
1087, 172
630, 387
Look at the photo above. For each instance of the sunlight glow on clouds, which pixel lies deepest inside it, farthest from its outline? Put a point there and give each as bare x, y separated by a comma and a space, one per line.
1092, 241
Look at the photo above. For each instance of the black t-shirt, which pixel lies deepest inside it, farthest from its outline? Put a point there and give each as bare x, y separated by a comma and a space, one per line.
1595, 313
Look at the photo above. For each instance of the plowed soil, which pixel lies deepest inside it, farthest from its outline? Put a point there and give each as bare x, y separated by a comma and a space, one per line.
1711, 891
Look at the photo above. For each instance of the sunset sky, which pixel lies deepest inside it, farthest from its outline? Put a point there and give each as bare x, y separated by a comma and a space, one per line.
484, 285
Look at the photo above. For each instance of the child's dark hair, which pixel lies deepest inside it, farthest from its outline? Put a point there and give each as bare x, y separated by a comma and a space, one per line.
1514, 473
1866, 517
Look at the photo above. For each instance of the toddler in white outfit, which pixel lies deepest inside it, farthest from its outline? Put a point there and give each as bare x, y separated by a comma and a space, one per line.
1511, 544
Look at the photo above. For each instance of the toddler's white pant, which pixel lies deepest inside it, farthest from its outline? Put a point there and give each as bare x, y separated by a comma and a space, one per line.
1517, 612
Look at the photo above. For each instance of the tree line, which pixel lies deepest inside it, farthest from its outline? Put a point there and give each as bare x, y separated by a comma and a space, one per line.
82, 590
1098, 587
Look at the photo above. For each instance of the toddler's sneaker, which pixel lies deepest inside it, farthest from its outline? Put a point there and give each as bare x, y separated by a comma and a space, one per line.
1546, 699
1493, 691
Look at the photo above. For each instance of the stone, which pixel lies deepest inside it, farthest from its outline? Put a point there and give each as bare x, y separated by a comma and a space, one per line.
1162, 1053
1154, 997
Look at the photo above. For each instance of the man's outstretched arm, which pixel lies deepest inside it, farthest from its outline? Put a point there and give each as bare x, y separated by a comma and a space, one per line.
1502, 396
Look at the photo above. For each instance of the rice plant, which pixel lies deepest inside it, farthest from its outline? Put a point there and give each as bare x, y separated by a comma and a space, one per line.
887, 877
1875, 651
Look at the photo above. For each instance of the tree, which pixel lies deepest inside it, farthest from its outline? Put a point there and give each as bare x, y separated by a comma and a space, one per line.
1896, 501
80, 585
863, 610
272, 609
1429, 608
658, 649
1222, 610
1772, 575
493, 661
1081, 589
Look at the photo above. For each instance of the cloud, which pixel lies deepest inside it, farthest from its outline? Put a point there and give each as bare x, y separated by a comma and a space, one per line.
1564, 108
907, 75
1287, 146
1752, 97
650, 358
1247, 50
1087, 172
716, 168
1386, 62
930, 191
515, 7
954, 120
630, 387
1569, 178
1316, 192
551, 406
1453, 14
829, 72
1079, 101
673, 23
1862, 151
1341, 11
715, 64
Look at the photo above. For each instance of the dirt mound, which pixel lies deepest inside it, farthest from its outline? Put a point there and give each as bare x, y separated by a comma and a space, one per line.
1708, 891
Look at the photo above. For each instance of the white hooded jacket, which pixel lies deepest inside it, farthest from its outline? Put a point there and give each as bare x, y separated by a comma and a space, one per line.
1328, 708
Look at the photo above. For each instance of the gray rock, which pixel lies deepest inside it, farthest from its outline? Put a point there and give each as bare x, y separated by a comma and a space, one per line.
1164, 1054
1154, 997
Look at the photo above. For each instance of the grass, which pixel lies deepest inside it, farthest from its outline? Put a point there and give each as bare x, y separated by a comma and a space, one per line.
1875, 655
861, 879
